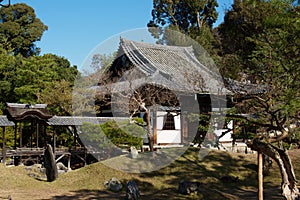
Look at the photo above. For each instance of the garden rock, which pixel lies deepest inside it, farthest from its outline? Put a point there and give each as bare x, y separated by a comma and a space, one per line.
61, 167
113, 184
132, 191
133, 152
50, 164
229, 179
188, 187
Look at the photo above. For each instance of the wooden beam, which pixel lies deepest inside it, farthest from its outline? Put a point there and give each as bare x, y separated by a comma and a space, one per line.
60, 157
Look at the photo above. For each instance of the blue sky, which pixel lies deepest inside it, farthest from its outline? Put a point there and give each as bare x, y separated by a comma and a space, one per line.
75, 28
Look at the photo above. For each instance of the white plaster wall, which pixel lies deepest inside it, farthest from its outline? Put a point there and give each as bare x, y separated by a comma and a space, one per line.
226, 138
168, 136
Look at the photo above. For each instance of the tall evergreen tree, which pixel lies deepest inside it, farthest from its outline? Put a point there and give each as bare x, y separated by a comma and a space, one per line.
191, 17
20, 29
38, 74
263, 37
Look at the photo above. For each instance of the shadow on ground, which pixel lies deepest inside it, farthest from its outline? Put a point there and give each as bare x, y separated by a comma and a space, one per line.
208, 171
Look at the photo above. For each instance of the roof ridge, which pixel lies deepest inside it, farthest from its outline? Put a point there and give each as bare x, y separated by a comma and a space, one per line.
156, 46
22, 105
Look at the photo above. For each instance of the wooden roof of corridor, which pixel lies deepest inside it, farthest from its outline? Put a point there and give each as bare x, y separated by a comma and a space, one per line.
5, 122
16, 112
23, 112
79, 120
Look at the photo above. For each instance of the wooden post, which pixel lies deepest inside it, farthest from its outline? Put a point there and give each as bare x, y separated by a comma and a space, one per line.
15, 144
260, 175
37, 134
45, 133
74, 139
31, 134
184, 128
181, 131
4, 147
69, 162
54, 141
21, 136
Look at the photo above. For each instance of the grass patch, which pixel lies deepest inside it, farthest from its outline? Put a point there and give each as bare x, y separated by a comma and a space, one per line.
87, 182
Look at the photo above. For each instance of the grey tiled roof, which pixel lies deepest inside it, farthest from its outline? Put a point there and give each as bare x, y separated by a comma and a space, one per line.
177, 68
67, 120
174, 67
78, 121
5, 122
128, 85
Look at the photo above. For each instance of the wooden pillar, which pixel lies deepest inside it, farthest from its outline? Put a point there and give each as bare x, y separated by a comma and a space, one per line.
54, 141
75, 135
260, 175
69, 162
37, 139
15, 142
21, 135
37, 134
184, 128
31, 134
45, 133
4, 146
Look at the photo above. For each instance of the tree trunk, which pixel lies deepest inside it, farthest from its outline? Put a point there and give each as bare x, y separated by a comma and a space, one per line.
199, 22
289, 183
260, 176
149, 131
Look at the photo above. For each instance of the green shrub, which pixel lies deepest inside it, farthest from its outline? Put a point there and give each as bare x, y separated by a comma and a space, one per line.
111, 134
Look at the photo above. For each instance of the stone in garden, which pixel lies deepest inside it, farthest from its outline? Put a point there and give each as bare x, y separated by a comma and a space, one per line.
113, 184
132, 191
61, 167
188, 187
50, 164
133, 152
229, 179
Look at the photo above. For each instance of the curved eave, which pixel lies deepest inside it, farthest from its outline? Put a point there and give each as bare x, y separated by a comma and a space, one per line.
29, 115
